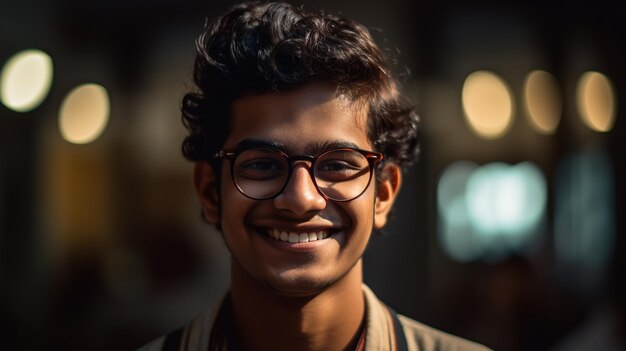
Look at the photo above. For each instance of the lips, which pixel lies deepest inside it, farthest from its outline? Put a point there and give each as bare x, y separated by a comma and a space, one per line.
298, 237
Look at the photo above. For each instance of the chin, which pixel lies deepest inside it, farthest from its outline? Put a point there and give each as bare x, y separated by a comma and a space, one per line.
297, 287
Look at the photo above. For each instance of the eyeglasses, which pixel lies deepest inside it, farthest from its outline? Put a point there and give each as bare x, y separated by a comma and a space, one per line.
261, 173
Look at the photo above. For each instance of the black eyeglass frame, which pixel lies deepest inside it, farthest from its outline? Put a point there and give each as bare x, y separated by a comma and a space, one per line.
373, 158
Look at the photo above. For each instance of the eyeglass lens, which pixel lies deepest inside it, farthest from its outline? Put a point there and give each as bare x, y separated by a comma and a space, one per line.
262, 173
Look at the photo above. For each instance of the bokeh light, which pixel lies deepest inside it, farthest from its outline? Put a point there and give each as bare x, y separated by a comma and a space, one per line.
25, 80
584, 218
488, 104
455, 232
490, 211
596, 101
84, 113
506, 199
542, 99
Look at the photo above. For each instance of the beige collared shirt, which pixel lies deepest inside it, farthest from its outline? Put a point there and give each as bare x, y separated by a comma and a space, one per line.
382, 333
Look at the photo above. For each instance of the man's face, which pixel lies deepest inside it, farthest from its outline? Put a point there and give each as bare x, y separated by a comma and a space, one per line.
302, 122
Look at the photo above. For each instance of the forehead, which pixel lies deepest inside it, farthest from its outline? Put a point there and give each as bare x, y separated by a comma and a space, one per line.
299, 119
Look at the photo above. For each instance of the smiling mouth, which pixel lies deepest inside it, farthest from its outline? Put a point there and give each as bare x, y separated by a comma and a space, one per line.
297, 237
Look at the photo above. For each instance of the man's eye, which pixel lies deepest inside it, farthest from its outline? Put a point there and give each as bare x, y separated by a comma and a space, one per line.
336, 166
336, 170
260, 165
260, 169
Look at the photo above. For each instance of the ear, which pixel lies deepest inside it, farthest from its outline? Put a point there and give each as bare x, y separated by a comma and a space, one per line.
205, 181
386, 193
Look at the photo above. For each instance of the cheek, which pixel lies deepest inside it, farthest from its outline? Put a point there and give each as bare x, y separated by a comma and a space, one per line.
234, 207
361, 212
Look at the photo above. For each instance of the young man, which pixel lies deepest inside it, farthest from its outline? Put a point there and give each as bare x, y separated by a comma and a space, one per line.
299, 134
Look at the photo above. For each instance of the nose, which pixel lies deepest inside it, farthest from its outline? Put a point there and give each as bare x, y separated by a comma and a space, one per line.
300, 195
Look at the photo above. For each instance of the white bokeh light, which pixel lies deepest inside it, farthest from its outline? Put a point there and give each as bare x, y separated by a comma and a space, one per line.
503, 198
489, 211
25, 80
454, 229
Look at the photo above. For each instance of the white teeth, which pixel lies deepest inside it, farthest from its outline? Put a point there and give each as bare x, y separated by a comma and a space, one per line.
293, 237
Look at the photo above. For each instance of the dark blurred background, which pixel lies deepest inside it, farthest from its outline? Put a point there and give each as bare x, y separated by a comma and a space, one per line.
508, 231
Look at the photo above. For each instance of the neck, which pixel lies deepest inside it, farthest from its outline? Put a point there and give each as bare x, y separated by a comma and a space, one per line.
327, 320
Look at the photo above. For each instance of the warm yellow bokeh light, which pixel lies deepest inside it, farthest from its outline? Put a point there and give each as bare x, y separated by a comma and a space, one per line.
25, 80
595, 100
84, 113
542, 99
488, 104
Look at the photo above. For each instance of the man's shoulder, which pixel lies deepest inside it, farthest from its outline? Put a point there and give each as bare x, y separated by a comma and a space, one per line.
422, 337
194, 335
382, 325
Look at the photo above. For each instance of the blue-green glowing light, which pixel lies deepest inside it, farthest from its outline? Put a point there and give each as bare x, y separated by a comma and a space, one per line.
584, 220
489, 211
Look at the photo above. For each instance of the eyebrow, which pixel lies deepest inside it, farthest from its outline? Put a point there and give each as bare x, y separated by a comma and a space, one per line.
249, 143
334, 144
313, 149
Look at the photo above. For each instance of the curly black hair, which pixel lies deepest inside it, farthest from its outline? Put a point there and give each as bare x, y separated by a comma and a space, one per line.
272, 47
